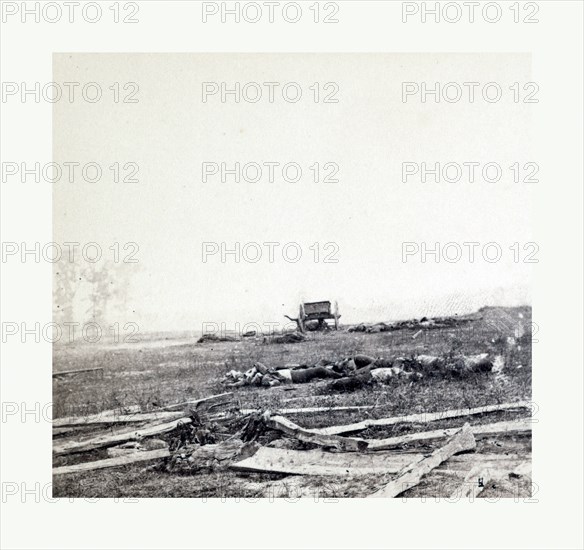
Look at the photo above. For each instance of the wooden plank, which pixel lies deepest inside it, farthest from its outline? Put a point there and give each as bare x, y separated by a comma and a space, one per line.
319, 487
284, 425
411, 475
509, 427
116, 418
461, 465
311, 410
421, 417
61, 431
78, 371
130, 409
321, 463
128, 414
138, 456
109, 440
195, 402
473, 458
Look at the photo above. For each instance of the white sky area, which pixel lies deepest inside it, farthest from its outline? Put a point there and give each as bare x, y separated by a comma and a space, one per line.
170, 132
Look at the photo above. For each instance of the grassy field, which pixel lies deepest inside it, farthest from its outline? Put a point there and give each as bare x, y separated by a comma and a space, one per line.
166, 372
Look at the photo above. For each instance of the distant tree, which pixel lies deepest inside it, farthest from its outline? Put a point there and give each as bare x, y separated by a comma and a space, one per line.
65, 286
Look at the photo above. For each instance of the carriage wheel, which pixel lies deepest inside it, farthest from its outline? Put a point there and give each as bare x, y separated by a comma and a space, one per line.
301, 324
301, 318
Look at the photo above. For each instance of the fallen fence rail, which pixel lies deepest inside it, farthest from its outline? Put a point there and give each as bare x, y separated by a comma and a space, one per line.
109, 440
411, 475
419, 417
78, 371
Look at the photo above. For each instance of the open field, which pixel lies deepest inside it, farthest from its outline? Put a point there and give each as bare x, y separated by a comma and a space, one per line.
167, 372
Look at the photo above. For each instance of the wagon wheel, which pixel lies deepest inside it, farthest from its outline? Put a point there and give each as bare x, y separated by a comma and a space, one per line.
301, 318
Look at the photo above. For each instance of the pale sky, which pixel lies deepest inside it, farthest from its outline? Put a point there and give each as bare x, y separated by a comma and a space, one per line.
170, 132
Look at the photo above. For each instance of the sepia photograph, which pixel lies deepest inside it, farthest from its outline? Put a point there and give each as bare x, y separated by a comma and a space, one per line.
291, 274
302, 309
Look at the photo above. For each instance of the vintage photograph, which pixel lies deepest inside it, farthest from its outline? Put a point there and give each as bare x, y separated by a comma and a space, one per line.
293, 275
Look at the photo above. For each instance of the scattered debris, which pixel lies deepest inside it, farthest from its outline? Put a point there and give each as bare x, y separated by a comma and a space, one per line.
194, 444
411, 475
136, 447
132, 414
110, 440
199, 457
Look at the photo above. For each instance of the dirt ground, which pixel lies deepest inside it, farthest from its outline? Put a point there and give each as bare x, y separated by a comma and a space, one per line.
174, 369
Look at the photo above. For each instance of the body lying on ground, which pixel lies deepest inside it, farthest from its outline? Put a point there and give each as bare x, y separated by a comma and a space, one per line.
300, 376
351, 373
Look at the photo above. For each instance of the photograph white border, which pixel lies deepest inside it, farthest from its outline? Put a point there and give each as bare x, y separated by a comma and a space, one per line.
553, 520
